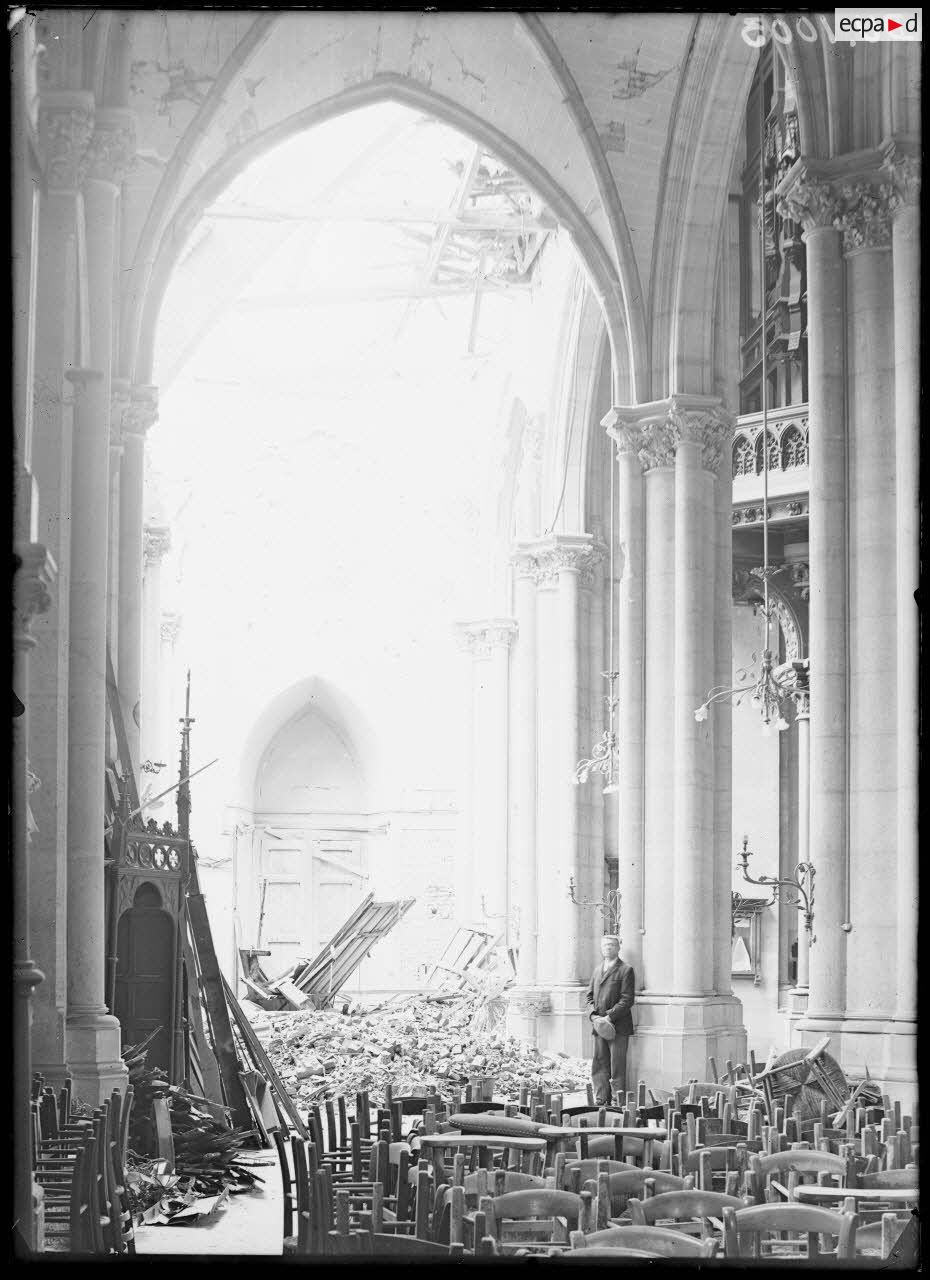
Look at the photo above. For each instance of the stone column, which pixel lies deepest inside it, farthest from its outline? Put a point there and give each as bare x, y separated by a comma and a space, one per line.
465, 852
693, 778
802, 719
34, 573
171, 707
118, 400
93, 1036
630, 660
591, 798
138, 417
671, 633
523, 860
905, 175
659, 727
568, 556
872, 602
490, 644
65, 125
156, 543
812, 203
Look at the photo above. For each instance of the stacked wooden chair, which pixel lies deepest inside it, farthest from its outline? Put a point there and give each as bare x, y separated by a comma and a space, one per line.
715, 1169
79, 1164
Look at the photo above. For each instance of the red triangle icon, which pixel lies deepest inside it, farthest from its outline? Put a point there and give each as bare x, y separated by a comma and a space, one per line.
893, 26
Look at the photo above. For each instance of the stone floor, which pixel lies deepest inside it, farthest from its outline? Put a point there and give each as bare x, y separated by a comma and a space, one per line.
250, 1223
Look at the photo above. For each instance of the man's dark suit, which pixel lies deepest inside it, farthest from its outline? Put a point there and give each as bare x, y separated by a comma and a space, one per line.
611, 995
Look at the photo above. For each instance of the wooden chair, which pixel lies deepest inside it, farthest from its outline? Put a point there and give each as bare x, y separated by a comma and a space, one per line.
537, 1219
496, 1182
697, 1213
571, 1174
380, 1245
525, 1155
305, 1166
654, 1240
337, 1140
776, 1176
788, 1231
68, 1204
619, 1142
615, 1192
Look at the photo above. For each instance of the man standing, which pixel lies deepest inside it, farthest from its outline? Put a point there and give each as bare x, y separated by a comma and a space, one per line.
610, 999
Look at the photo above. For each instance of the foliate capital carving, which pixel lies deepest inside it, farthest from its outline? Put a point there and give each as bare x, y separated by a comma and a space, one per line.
865, 218
156, 542
903, 172
654, 431
570, 556
34, 572
141, 412
112, 148
66, 122
524, 563
628, 439
170, 627
480, 638
710, 427
811, 203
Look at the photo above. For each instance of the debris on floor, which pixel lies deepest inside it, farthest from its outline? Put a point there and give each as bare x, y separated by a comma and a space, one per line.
442, 1040
208, 1158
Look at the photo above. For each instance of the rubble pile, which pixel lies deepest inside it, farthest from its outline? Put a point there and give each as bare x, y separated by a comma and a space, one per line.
441, 1040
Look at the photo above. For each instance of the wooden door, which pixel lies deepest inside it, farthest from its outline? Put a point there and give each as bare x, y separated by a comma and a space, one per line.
286, 930
145, 968
338, 886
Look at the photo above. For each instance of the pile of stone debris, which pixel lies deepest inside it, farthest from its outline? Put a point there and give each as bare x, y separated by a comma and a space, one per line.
442, 1039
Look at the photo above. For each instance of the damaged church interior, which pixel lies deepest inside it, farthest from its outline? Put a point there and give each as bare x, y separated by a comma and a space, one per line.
465, 562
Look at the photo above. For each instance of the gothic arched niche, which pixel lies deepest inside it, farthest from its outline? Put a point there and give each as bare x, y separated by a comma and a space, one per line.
310, 850
145, 967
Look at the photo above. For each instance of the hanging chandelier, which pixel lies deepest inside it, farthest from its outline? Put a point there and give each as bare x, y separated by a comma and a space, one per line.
771, 687
605, 755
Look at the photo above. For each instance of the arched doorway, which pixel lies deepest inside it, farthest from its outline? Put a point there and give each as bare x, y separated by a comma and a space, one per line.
311, 837
145, 968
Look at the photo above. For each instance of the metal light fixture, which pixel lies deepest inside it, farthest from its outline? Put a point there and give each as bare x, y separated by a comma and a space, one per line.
605, 755
802, 884
609, 907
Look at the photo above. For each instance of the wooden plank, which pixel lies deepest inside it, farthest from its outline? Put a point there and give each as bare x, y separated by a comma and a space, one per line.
217, 1010
122, 741
261, 1061
212, 1081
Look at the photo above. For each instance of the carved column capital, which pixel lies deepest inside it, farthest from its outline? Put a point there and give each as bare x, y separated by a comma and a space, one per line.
811, 202
66, 122
481, 637
903, 172
708, 425
565, 553
156, 542
170, 626
34, 572
865, 216
142, 411
111, 151
654, 431
524, 562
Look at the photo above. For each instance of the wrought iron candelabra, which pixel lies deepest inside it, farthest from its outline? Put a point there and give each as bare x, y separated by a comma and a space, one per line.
802, 884
604, 756
609, 907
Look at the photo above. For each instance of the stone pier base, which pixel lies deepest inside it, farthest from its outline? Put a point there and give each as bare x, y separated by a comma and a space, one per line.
675, 1036
94, 1057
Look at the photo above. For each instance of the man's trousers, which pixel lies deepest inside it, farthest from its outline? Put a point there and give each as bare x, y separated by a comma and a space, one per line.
608, 1068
